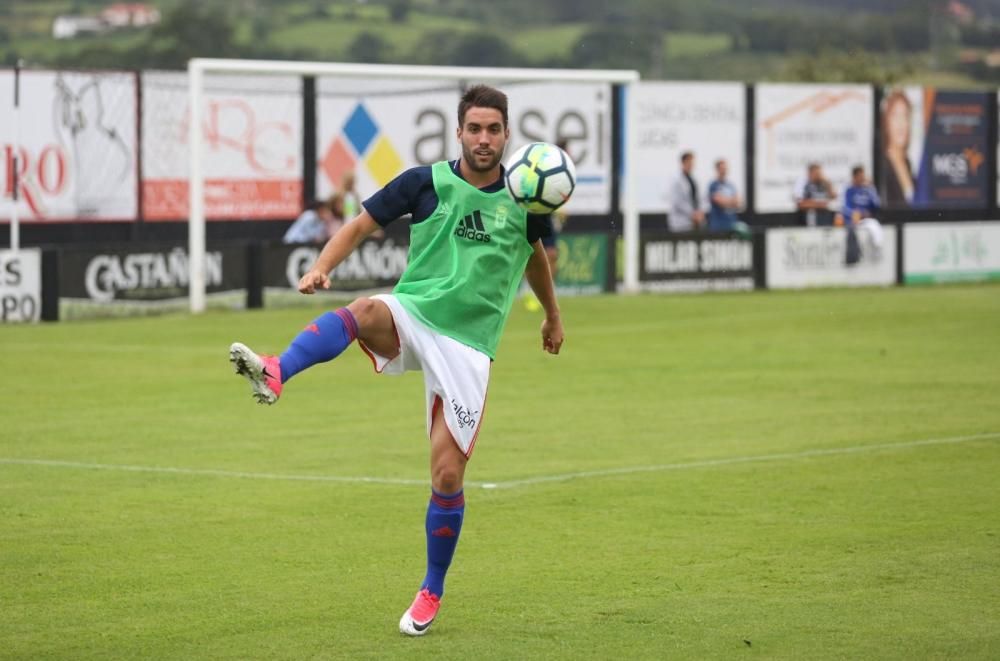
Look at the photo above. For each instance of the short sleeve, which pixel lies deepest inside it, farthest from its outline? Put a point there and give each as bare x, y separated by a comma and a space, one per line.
539, 227
399, 197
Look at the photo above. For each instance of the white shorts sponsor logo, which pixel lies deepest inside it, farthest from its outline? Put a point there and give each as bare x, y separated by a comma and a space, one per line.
466, 417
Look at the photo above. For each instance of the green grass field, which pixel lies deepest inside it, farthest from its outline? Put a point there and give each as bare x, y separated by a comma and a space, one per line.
769, 475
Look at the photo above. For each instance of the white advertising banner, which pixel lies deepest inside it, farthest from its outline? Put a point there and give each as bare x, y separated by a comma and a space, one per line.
77, 146
708, 119
252, 128
20, 285
580, 114
377, 129
816, 257
951, 252
801, 124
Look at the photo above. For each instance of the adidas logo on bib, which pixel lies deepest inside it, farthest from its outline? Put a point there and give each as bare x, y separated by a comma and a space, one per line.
471, 227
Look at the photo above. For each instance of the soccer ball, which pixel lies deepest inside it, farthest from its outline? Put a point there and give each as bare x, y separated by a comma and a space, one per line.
540, 177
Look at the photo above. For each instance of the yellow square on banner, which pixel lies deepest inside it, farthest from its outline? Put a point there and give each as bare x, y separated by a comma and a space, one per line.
383, 162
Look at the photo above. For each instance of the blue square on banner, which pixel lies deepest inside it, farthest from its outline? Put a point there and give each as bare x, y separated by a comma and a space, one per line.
360, 130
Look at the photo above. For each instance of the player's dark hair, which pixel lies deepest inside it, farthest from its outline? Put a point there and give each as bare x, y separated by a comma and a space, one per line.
686, 156
856, 170
482, 96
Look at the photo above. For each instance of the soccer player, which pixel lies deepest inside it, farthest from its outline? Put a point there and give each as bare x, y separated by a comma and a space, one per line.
469, 246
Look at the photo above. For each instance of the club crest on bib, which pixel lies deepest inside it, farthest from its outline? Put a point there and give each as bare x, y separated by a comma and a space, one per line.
501, 216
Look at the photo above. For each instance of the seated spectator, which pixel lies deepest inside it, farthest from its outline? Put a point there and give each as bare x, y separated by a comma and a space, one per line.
861, 205
860, 199
314, 225
814, 196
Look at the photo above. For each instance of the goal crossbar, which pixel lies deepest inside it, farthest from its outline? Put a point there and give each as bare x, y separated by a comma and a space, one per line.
198, 67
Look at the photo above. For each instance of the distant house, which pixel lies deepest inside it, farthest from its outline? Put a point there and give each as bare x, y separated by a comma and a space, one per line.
67, 27
961, 12
125, 14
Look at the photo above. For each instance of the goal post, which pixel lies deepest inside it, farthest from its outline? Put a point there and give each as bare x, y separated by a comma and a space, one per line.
199, 67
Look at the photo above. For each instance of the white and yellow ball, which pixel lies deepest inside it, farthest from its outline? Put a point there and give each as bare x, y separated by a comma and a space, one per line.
540, 177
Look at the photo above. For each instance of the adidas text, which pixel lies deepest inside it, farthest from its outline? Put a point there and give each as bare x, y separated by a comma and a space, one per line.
471, 227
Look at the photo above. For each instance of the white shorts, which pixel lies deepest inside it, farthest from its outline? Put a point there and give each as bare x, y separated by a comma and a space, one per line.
456, 376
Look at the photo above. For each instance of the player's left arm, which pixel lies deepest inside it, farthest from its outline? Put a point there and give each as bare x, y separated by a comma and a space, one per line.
540, 278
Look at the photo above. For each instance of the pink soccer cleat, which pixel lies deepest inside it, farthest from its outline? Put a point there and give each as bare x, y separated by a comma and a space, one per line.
418, 617
263, 372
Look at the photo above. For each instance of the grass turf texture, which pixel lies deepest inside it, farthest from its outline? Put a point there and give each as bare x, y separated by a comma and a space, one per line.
887, 553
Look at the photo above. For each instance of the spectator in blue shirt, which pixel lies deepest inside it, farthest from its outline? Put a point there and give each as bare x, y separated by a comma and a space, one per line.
860, 199
314, 225
724, 201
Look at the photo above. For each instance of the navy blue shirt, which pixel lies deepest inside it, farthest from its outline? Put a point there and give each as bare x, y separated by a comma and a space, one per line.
413, 193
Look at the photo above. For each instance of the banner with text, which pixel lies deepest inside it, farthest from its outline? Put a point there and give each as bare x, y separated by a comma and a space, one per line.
379, 128
695, 262
376, 264
817, 257
708, 119
801, 124
252, 145
934, 149
580, 114
20, 285
77, 157
951, 252
127, 280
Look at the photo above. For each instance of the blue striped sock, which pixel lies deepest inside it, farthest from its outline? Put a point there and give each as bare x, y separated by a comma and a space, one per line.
322, 340
443, 525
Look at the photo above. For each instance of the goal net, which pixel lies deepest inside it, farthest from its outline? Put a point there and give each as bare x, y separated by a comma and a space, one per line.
359, 106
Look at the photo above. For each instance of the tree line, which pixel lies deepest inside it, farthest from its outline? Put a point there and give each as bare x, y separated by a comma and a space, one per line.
624, 34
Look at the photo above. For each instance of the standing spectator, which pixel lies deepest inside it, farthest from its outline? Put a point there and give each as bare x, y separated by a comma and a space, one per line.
724, 200
314, 225
345, 202
686, 212
861, 200
814, 196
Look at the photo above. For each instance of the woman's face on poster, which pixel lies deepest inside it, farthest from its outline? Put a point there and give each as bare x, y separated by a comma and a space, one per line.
898, 123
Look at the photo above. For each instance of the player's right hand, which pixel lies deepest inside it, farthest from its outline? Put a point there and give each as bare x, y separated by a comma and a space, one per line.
313, 280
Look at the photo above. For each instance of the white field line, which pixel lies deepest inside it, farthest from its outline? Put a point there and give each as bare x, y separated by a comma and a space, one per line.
728, 461
211, 472
511, 484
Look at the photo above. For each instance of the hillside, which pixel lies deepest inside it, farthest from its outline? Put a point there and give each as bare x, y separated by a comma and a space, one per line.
714, 39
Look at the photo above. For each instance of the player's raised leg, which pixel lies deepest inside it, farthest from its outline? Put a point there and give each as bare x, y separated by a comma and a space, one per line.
320, 341
443, 524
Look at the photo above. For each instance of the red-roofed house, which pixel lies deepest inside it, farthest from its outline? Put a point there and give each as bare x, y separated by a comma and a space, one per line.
125, 14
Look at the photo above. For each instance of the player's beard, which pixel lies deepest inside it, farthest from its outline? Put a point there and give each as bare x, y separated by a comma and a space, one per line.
470, 159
